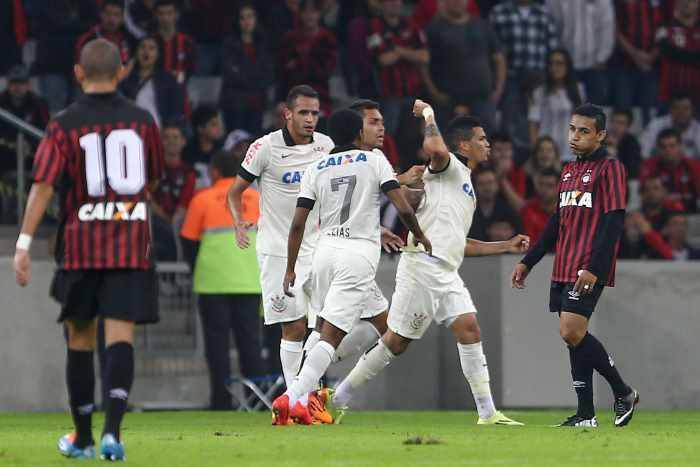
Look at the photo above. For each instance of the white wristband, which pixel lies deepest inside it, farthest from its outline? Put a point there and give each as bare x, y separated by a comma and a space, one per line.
24, 241
428, 112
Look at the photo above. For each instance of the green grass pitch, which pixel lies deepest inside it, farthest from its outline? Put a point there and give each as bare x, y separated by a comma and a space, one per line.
368, 439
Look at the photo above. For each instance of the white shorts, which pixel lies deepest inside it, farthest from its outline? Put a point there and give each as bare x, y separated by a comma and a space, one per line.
277, 307
376, 303
426, 290
340, 285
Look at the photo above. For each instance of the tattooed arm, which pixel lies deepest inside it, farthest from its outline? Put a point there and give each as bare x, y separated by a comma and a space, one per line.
433, 144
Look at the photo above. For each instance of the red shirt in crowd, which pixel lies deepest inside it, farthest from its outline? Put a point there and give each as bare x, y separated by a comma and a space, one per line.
638, 22
425, 10
534, 219
176, 188
518, 179
402, 79
122, 39
178, 56
680, 60
682, 180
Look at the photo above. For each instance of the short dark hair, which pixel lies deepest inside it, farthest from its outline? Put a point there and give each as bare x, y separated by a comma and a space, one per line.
174, 124
100, 60
361, 105
117, 3
626, 111
680, 95
344, 126
225, 163
173, 3
300, 90
460, 129
202, 115
549, 172
668, 133
592, 111
501, 137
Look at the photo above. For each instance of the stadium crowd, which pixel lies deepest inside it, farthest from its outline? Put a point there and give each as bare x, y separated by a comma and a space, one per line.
521, 66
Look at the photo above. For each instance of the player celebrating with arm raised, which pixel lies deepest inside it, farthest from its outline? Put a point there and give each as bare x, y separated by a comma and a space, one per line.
586, 230
278, 160
428, 287
346, 186
102, 153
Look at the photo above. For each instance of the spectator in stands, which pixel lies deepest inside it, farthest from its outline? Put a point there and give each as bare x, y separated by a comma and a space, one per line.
399, 50
140, 17
280, 17
492, 207
528, 34
14, 33
623, 143
681, 118
633, 67
153, 88
676, 233
679, 41
209, 22
425, 11
207, 140
308, 55
679, 174
225, 279
177, 47
552, 103
110, 27
587, 29
19, 99
538, 209
56, 25
467, 64
248, 70
356, 61
511, 178
545, 156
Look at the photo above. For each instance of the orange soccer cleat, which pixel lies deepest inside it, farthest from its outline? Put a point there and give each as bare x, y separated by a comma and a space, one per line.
300, 414
280, 411
317, 406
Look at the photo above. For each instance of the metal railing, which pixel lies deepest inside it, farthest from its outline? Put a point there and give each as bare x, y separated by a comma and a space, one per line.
22, 150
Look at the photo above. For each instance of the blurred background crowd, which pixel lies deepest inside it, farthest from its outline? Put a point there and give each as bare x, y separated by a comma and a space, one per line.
214, 74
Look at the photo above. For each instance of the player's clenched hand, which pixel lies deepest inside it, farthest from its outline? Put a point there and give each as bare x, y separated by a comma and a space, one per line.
418, 107
423, 240
289, 278
390, 241
585, 282
517, 279
22, 265
242, 238
519, 244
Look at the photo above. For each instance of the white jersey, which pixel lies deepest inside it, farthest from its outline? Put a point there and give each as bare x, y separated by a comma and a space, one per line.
446, 211
346, 187
279, 165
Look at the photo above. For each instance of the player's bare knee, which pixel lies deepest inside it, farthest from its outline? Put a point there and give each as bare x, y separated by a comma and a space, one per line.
332, 334
294, 330
395, 343
571, 334
82, 335
466, 329
118, 331
379, 323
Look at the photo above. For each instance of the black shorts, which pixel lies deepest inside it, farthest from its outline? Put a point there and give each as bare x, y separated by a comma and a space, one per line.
123, 294
563, 298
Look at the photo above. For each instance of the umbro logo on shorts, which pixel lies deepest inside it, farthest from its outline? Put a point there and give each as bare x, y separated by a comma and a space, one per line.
573, 295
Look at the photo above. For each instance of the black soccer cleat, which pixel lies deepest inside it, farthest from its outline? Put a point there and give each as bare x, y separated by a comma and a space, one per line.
624, 408
579, 421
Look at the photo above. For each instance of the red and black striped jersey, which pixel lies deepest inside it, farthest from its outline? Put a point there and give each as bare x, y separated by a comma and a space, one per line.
680, 60
101, 154
638, 22
178, 56
588, 188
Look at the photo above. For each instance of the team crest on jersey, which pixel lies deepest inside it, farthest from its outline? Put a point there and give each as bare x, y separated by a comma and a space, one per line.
567, 177
586, 179
279, 303
581, 199
112, 211
418, 320
341, 160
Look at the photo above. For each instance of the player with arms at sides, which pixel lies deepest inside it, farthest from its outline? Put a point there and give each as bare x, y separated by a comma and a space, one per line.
346, 187
585, 231
101, 154
429, 287
278, 160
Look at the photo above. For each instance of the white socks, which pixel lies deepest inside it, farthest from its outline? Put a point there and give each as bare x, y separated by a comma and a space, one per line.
290, 357
361, 338
315, 365
475, 369
369, 365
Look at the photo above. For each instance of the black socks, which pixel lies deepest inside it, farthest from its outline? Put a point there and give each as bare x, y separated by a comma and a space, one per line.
119, 375
80, 379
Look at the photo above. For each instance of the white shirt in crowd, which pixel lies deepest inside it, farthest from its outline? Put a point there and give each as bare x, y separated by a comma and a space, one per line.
279, 165
690, 138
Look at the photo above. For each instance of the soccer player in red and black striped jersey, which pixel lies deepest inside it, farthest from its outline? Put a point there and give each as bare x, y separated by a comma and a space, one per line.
102, 154
585, 231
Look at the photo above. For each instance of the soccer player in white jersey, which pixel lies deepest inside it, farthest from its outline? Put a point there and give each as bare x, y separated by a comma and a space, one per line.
428, 287
278, 161
346, 187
